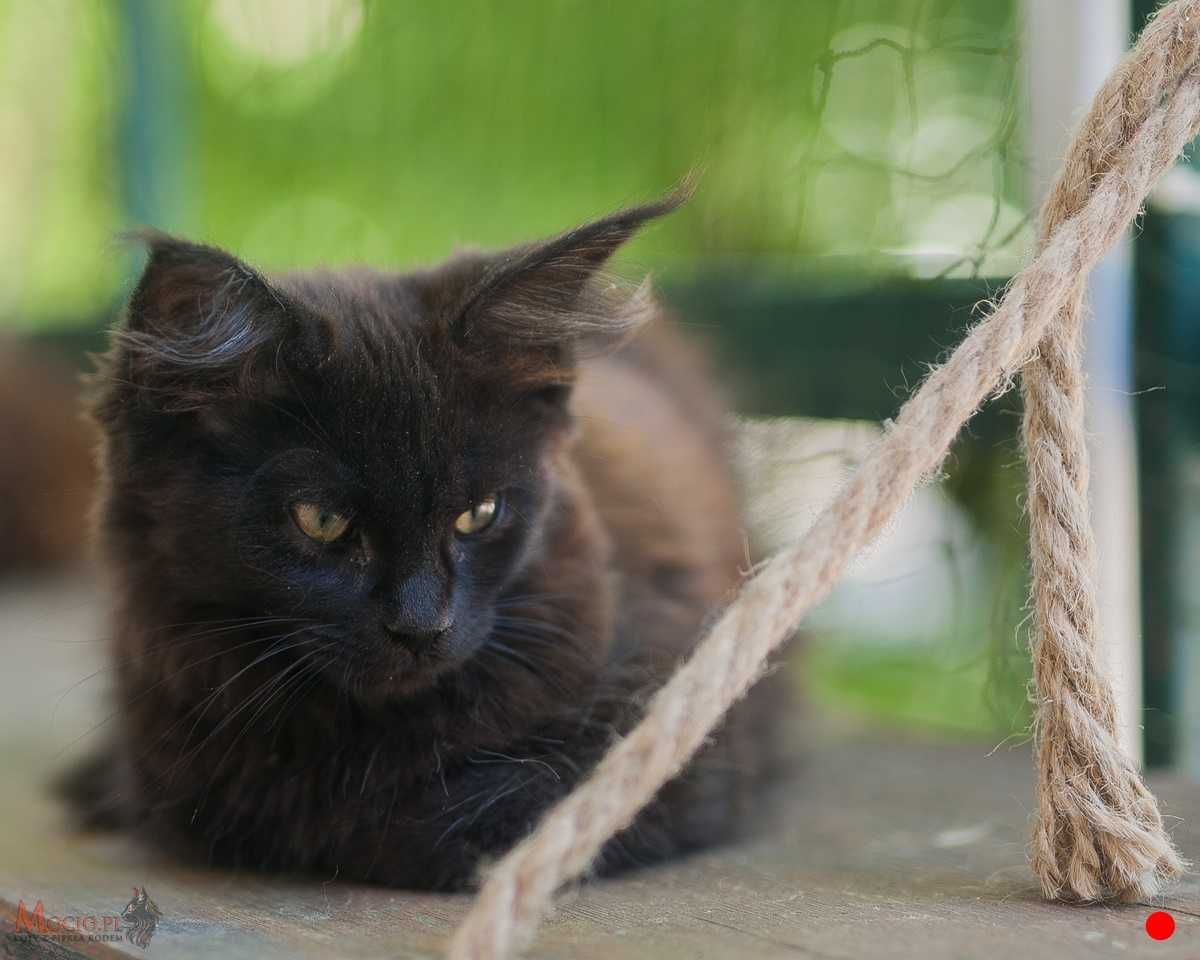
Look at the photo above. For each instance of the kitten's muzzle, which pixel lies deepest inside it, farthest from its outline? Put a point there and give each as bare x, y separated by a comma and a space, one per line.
417, 641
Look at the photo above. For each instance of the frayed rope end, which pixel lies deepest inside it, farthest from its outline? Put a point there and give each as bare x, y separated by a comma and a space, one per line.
1087, 850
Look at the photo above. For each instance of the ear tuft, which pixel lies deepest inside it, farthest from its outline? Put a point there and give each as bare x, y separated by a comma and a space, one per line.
195, 321
195, 298
550, 294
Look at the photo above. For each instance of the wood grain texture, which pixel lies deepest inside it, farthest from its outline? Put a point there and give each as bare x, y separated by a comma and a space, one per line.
879, 846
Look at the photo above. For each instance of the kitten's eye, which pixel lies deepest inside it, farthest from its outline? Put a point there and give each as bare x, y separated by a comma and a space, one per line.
479, 517
319, 524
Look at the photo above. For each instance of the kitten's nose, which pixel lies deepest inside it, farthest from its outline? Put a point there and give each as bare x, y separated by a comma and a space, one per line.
422, 611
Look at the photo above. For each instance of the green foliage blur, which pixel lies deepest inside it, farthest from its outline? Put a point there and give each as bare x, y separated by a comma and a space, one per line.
840, 133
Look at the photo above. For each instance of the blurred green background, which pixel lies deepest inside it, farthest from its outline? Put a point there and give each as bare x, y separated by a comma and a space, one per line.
298, 131
846, 147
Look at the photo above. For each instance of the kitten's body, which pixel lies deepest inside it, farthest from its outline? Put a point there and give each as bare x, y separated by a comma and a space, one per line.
278, 744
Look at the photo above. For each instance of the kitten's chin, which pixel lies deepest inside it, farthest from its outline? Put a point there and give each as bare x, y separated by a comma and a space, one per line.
378, 686
395, 673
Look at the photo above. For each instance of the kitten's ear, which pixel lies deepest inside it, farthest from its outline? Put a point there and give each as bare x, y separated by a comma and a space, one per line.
547, 294
195, 323
195, 296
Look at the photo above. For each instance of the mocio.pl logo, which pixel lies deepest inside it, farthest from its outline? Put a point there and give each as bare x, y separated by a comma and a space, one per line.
135, 922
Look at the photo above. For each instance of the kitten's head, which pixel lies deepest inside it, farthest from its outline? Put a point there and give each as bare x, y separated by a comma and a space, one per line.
364, 458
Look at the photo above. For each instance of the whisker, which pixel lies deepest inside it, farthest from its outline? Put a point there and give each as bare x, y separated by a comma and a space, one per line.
294, 672
158, 683
280, 645
551, 629
187, 640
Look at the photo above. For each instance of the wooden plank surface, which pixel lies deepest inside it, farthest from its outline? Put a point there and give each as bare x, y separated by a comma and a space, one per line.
880, 846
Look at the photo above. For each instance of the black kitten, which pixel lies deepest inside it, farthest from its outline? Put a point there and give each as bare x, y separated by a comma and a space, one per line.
398, 556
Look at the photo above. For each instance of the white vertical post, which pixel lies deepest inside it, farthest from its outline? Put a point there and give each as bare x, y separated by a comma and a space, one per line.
1071, 46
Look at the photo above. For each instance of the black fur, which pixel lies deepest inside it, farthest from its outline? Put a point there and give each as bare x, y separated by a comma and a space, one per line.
268, 716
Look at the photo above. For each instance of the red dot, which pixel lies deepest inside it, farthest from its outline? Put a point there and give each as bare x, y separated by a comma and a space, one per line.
1160, 925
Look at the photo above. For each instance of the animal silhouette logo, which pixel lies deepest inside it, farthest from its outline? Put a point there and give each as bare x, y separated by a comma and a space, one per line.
141, 915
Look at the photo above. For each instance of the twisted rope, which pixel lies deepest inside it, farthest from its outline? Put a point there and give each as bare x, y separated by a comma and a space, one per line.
1099, 832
